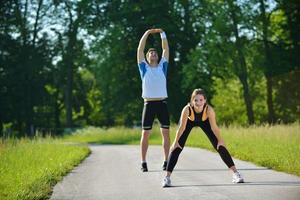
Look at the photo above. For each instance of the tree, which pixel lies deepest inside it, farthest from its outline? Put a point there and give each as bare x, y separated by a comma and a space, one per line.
220, 52
72, 45
268, 62
26, 60
240, 62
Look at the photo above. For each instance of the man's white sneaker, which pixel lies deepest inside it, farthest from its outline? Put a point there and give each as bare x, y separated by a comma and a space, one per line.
237, 177
166, 182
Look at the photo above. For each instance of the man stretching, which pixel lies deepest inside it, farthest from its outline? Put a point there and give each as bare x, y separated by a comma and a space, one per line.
154, 92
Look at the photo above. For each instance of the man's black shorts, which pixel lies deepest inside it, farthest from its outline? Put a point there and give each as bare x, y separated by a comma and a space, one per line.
151, 110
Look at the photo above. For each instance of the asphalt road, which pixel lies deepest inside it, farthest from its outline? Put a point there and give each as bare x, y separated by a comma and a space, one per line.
113, 172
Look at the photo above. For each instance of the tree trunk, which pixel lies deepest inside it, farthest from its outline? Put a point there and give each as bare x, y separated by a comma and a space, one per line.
268, 64
56, 113
21, 21
271, 114
37, 17
69, 89
242, 72
70, 56
30, 95
247, 99
1, 128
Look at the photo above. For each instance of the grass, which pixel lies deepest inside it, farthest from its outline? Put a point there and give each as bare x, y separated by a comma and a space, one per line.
276, 147
118, 135
30, 168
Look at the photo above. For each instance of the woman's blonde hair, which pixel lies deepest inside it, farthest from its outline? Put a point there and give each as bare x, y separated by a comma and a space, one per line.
196, 92
200, 92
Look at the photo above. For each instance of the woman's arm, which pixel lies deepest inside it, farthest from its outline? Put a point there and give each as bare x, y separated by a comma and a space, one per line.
214, 127
181, 128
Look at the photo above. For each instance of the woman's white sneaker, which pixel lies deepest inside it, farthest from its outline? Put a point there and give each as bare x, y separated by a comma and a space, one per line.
237, 177
166, 182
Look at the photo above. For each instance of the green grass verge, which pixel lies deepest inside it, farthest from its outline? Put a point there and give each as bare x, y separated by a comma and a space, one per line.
30, 168
276, 147
117, 135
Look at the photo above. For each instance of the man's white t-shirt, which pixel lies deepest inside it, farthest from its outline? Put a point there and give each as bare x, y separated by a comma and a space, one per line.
154, 79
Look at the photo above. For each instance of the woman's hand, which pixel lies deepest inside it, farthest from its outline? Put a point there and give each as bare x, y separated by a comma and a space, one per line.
175, 145
220, 143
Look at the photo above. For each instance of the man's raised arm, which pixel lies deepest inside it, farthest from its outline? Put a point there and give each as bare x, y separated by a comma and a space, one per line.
164, 45
141, 47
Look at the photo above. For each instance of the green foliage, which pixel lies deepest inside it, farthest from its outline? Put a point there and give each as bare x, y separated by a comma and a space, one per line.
287, 99
78, 58
228, 102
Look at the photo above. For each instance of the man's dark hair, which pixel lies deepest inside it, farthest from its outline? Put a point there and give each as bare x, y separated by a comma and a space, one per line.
151, 49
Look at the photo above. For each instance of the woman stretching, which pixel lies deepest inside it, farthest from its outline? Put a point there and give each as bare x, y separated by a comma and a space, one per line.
198, 113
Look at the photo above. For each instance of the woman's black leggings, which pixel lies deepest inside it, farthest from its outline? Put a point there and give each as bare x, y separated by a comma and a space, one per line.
173, 158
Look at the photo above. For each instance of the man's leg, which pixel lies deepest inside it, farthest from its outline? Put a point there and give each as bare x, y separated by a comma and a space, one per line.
165, 142
163, 117
144, 144
147, 121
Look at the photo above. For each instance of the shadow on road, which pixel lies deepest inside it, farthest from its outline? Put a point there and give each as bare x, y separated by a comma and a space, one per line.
204, 170
225, 169
266, 183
